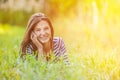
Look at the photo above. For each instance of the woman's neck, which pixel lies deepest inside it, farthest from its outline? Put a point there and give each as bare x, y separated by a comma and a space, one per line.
47, 47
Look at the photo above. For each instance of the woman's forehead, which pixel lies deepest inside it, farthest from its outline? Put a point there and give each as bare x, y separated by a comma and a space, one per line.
42, 24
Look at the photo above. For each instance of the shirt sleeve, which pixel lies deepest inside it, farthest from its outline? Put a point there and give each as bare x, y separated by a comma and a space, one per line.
63, 52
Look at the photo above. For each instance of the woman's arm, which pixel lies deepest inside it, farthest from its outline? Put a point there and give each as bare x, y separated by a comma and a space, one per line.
63, 51
38, 45
65, 59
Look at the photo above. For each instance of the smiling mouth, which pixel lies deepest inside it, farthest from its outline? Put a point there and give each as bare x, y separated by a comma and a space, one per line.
42, 38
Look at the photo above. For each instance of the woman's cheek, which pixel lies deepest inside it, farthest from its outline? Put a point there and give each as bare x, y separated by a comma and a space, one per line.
37, 33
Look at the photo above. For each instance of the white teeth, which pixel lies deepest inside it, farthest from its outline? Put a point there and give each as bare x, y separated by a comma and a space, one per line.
44, 38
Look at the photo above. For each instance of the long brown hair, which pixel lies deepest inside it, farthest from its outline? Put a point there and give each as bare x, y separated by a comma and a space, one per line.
34, 19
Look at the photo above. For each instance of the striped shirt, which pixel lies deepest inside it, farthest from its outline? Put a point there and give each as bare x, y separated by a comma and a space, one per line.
59, 50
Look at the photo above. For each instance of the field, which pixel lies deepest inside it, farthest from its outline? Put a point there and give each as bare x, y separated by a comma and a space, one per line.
93, 53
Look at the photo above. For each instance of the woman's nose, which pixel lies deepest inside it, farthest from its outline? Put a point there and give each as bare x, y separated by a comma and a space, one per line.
42, 32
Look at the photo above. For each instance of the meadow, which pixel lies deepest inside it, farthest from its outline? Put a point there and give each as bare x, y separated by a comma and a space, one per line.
93, 54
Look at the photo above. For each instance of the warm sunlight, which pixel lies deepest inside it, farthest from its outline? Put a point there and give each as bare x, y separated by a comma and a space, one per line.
90, 30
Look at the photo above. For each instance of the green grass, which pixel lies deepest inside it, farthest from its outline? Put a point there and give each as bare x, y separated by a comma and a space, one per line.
94, 55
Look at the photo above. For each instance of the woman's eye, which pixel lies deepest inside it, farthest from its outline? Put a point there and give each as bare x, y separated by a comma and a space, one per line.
38, 30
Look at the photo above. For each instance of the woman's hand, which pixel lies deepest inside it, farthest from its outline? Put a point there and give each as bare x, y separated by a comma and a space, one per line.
38, 45
35, 40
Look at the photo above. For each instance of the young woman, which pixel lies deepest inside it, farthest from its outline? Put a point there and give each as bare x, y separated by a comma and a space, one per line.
39, 40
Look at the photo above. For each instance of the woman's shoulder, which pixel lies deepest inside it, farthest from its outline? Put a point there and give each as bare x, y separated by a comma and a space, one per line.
57, 39
58, 45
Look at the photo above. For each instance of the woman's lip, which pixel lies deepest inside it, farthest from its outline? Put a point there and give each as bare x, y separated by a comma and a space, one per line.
43, 38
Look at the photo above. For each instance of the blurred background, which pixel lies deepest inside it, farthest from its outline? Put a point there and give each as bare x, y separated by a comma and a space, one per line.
80, 12
17, 12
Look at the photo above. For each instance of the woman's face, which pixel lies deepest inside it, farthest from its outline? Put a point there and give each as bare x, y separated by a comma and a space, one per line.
43, 31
